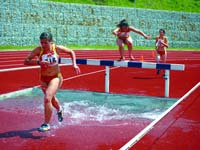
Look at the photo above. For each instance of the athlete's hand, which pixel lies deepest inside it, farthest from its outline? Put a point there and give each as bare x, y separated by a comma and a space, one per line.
77, 69
44, 64
162, 42
147, 37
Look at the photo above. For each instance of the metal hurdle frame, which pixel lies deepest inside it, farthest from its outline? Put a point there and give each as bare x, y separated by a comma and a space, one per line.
130, 64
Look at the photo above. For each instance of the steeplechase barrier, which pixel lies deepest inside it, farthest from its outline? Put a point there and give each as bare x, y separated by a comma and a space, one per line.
129, 64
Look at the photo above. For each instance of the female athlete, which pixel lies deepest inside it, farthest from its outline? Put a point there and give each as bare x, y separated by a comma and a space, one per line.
50, 75
161, 45
123, 37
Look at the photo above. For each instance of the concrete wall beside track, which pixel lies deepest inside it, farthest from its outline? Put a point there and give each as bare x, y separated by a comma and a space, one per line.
22, 21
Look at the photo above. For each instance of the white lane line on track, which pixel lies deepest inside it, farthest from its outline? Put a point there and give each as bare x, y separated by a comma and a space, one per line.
15, 60
16, 93
148, 128
26, 68
89, 73
11, 65
23, 91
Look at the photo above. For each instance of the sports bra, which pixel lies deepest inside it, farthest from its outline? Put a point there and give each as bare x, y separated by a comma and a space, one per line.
52, 57
124, 34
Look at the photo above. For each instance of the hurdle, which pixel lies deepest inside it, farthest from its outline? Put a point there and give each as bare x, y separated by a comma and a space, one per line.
129, 64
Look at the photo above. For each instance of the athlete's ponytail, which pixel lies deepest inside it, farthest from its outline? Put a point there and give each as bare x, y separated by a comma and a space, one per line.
46, 35
123, 23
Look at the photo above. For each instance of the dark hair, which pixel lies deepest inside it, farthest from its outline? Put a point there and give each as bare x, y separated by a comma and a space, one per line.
162, 30
123, 23
46, 35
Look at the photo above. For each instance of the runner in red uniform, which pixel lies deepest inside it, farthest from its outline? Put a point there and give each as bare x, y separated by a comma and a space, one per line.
123, 37
161, 45
50, 75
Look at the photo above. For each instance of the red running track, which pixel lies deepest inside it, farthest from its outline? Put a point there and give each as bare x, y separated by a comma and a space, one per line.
167, 134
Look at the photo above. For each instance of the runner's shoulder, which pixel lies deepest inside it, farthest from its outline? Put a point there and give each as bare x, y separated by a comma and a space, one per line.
37, 50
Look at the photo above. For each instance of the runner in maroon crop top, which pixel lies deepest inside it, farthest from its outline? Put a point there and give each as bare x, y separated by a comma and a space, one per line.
123, 37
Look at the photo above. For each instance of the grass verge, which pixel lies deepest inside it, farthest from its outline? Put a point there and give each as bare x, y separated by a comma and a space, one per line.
95, 47
170, 5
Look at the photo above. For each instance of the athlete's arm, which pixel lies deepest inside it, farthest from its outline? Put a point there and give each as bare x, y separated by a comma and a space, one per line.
139, 32
32, 55
72, 54
157, 42
165, 42
115, 32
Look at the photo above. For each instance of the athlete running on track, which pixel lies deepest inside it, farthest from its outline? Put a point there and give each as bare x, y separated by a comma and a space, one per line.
50, 75
123, 37
161, 45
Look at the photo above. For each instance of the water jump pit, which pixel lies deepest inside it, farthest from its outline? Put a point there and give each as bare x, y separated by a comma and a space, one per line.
91, 120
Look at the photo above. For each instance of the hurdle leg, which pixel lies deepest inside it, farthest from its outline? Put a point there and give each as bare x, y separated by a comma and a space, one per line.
107, 79
167, 77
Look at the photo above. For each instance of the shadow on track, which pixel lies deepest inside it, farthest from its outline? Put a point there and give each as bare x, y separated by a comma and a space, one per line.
21, 133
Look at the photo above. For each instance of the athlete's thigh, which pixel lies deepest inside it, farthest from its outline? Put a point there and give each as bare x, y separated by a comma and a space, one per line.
164, 58
43, 86
129, 40
53, 86
119, 42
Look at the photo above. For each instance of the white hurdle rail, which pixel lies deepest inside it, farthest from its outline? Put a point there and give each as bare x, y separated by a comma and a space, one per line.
130, 64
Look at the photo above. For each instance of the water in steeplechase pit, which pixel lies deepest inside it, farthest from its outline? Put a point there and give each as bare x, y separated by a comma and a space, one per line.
91, 120
89, 108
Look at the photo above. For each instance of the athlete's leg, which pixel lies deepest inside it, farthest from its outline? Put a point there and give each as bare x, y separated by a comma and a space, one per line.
157, 61
164, 57
55, 101
121, 48
49, 94
157, 57
130, 48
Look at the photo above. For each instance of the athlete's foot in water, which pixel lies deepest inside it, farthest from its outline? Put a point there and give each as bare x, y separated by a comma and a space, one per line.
121, 59
60, 115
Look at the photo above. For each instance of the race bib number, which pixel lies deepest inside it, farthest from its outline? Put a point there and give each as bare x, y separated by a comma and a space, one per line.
51, 58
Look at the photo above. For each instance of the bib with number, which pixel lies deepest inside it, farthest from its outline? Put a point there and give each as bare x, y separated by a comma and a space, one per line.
51, 57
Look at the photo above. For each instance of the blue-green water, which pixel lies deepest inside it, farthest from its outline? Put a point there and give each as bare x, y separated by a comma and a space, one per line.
90, 106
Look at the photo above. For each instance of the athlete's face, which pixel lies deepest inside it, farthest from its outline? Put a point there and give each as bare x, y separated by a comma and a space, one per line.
45, 44
124, 28
161, 33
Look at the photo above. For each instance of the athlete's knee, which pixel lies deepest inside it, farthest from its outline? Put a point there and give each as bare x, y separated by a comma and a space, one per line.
129, 44
48, 97
46, 101
120, 46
